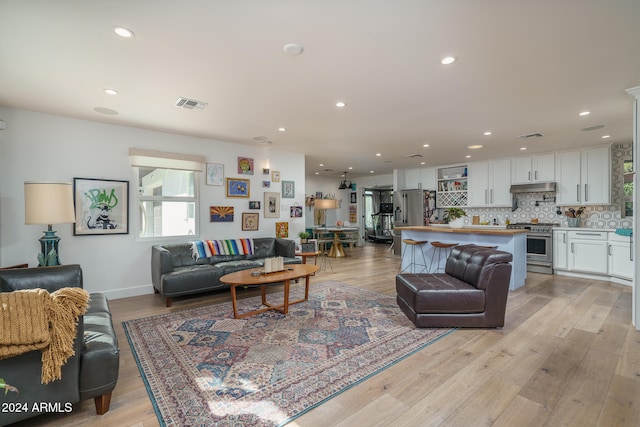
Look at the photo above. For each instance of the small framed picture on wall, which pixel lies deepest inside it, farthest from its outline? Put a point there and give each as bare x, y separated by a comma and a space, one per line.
288, 189
215, 174
238, 187
271, 205
249, 221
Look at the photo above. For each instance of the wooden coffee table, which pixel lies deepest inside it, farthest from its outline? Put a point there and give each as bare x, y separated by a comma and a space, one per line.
291, 272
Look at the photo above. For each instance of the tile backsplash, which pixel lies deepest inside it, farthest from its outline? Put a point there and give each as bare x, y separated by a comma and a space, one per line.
593, 216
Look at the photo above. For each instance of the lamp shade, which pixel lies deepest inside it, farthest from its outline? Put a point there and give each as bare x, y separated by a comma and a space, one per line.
325, 204
48, 203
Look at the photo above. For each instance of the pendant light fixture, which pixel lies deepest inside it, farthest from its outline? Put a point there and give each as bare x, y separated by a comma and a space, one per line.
343, 185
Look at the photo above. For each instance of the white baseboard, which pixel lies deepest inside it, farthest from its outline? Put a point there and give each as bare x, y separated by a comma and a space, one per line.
128, 292
593, 277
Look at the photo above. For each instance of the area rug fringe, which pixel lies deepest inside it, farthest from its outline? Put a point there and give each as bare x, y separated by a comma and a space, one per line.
202, 367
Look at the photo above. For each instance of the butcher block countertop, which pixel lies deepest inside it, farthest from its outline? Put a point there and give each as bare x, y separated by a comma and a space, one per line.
467, 229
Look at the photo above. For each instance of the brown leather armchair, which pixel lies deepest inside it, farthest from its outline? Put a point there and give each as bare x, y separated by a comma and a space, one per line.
92, 372
472, 292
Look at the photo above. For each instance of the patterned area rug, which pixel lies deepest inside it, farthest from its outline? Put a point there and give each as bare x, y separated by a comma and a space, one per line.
202, 367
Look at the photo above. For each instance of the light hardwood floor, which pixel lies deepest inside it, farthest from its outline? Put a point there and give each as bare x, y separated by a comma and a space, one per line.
567, 356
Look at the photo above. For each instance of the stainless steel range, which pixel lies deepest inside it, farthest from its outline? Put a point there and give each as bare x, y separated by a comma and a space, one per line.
539, 245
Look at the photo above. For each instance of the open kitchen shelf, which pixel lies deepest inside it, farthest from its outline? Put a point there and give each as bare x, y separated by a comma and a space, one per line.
452, 186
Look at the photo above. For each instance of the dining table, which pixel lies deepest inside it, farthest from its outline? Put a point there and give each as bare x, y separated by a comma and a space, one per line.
337, 249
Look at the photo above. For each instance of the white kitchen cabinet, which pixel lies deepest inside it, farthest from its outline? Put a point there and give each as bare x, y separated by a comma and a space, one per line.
525, 170
584, 177
560, 250
489, 183
424, 178
620, 256
588, 251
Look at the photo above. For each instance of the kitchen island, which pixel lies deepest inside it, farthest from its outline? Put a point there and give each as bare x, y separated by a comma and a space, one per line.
512, 241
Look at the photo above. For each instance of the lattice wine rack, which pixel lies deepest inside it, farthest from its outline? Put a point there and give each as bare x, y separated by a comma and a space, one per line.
451, 198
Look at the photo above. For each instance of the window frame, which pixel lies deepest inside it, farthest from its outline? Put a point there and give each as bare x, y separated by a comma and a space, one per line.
140, 199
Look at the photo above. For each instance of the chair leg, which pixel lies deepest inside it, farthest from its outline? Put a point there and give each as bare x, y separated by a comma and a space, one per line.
102, 403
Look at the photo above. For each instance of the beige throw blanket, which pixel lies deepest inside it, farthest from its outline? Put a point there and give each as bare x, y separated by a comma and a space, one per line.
36, 320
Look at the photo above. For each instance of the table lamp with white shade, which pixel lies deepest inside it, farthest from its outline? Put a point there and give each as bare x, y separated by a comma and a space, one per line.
48, 203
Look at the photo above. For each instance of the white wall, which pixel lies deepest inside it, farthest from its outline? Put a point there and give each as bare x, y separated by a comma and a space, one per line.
41, 147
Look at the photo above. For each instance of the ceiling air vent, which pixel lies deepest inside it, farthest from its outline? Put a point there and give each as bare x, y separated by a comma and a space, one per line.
414, 155
531, 135
190, 104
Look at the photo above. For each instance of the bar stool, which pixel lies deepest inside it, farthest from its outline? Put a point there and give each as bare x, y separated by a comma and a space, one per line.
413, 244
440, 247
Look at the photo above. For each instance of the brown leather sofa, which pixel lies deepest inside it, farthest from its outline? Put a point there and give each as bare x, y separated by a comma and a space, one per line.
91, 373
471, 293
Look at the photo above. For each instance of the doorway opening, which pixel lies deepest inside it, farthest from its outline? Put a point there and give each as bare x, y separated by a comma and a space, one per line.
377, 214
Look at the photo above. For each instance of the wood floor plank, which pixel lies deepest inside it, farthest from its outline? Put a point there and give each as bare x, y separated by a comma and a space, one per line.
540, 356
586, 391
523, 412
550, 381
629, 362
485, 406
621, 406
593, 318
378, 413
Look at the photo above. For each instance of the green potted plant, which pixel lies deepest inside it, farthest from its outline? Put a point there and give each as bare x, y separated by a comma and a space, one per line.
304, 235
454, 217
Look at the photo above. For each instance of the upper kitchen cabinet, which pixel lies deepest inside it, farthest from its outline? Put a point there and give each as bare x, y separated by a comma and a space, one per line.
525, 170
584, 177
424, 178
489, 183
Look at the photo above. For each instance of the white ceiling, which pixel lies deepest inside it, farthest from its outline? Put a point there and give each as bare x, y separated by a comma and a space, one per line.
523, 66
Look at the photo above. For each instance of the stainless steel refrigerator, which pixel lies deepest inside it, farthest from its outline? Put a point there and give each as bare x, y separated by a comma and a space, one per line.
411, 208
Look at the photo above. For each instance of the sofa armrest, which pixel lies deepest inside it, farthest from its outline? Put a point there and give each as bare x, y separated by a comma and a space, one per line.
161, 263
285, 248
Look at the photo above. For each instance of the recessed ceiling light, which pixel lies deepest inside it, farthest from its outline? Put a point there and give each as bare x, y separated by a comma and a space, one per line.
111, 91
282, 129
378, 154
584, 113
123, 32
467, 156
422, 163
317, 173
107, 111
606, 136
523, 148
350, 167
448, 60
293, 49
487, 133
341, 104
475, 147
425, 145
321, 164
370, 171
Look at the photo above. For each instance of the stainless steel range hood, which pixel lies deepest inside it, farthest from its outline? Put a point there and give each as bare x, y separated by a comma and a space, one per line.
538, 187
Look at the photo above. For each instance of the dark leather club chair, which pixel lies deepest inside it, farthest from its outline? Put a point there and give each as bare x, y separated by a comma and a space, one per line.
471, 293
